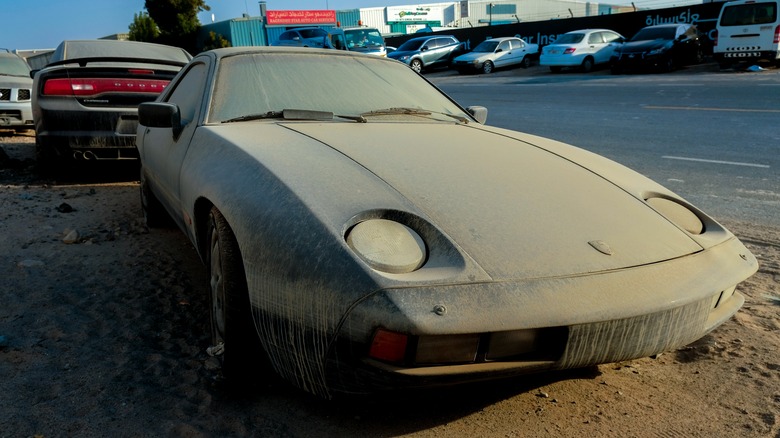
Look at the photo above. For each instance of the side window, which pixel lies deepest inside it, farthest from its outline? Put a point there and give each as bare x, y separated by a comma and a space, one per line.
504, 46
595, 38
610, 37
188, 92
432, 43
517, 44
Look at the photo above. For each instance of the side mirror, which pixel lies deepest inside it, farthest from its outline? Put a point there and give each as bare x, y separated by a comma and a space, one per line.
160, 115
479, 113
424, 49
33, 72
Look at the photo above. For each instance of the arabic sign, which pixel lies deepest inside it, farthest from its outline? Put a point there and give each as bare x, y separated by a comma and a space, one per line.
398, 14
287, 18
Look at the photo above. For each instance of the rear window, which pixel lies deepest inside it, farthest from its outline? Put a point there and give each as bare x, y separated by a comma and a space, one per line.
749, 13
569, 38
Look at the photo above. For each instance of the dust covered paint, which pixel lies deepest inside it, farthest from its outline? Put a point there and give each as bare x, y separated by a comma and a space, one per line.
537, 255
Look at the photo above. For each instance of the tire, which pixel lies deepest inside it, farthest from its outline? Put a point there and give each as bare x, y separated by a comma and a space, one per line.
155, 215
416, 65
233, 337
587, 65
526, 62
555, 68
487, 67
668, 65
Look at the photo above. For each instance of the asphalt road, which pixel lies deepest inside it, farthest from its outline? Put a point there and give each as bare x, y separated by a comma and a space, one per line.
711, 136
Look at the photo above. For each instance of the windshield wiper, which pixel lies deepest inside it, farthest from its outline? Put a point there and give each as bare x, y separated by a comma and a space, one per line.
294, 114
411, 112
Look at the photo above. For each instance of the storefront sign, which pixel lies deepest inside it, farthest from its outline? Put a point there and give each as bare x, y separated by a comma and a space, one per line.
288, 18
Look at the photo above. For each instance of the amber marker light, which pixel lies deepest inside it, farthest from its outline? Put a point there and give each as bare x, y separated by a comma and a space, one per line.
388, 346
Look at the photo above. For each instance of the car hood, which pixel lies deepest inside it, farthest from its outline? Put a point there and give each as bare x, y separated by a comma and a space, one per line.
499, 199
15, 81
471, 56
643, 46
400, 54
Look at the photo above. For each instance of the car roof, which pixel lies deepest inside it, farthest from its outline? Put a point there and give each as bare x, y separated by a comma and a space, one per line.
502, 38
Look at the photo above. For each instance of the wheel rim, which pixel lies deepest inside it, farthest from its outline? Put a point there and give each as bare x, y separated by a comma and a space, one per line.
587, 65
487, 67
416, 66
216, 281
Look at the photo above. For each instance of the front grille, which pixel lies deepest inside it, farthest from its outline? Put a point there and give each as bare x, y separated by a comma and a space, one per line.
22, 94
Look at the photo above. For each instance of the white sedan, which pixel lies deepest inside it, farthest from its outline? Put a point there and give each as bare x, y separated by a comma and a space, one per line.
495, 53
581, 48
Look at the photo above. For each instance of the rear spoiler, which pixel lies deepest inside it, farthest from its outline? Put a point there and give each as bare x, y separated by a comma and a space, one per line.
82, 62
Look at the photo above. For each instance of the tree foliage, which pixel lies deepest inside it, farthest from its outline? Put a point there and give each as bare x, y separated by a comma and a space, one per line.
143, 28
215, 41
176, 21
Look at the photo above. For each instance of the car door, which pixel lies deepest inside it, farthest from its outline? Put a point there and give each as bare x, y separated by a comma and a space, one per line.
431, 52
612, 41
504, 54
163, 151
595, 46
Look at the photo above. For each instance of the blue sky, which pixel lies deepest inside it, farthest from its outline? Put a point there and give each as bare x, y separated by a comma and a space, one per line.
43, 24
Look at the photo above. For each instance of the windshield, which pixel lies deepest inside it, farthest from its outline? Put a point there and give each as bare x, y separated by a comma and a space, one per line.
569, 38
655, 33
261, 83
411, 45
14, 66
486, 46
364, 38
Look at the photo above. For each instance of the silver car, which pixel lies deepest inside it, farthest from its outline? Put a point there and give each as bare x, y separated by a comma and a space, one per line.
15, 93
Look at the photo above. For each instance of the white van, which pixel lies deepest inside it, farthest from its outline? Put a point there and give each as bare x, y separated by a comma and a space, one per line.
748, 31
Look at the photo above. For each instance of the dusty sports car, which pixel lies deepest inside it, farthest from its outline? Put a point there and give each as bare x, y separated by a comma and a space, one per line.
372, 234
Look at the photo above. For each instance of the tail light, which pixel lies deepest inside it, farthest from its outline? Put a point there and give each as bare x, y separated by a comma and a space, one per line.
715, 37
777, 34
91, 87
569, 51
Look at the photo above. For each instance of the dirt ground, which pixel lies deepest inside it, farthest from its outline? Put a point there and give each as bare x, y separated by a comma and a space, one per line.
103, 331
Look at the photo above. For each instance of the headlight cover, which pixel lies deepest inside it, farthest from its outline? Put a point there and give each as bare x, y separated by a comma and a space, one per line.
678, 214
387, 246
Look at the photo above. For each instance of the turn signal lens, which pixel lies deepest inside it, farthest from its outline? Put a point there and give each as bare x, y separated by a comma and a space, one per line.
388, 346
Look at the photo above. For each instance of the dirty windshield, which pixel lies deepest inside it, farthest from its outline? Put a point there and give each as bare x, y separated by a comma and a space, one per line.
259, 83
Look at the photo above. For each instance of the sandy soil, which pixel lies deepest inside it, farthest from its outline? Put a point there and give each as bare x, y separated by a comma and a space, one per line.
103, 330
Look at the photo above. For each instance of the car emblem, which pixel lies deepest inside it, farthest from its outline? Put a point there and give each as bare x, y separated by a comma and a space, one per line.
601, 246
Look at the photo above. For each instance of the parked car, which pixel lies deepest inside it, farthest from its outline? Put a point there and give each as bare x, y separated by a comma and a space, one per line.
85, 101
15, 86
663, 47
313, 37
428, 52
583, 49
364, 39
353, 254
496, 53
748, 31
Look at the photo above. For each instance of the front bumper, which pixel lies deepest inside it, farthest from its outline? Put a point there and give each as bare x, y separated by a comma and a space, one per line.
600, 318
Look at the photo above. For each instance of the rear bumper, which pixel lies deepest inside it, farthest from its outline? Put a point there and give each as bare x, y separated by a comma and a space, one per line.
735, 56
84, 133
